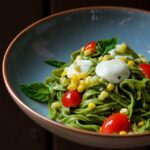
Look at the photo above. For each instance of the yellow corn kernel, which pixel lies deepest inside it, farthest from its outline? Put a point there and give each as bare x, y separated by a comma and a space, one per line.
124, 111
79, 76
91, 105
72, 86
83, 75
76, 82
110, 87
140, 124
77, 67
103, 95
87, 52
63, 74
75, 79
131, 63
82, 82
123, 59
106, 57
122, 48
87, 80
56, 105
80, 88
122, 132
100, 58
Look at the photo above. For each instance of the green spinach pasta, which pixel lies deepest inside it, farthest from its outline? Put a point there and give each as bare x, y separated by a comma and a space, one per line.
104, 88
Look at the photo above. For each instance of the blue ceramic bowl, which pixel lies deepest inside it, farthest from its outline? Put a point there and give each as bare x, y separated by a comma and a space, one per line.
56, 37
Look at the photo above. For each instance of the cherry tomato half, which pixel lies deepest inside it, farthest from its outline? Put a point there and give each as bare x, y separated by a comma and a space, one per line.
90, 46
71, 98
115, 123
145, 68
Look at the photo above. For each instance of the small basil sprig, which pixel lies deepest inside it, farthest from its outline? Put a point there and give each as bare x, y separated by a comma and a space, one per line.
36, 91
104, 46
55, 63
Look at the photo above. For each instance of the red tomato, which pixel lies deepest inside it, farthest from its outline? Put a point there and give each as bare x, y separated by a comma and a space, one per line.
145, 69
71, 98
90, 46
115, 123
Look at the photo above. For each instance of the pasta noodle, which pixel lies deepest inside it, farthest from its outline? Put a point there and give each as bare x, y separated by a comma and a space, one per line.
132, 94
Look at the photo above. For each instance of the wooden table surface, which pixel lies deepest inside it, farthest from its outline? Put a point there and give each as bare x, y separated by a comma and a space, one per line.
18, 132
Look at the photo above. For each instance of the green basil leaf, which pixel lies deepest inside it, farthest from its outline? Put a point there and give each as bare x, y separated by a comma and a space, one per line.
55, 63
36, 91
104, 46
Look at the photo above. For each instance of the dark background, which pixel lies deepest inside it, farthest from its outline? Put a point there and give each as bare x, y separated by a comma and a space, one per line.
17, 131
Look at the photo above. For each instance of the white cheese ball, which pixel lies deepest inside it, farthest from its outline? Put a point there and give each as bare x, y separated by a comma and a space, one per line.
114, 71
84, 67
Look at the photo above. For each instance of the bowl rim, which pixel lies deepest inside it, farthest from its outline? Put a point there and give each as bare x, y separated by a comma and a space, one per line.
18, 100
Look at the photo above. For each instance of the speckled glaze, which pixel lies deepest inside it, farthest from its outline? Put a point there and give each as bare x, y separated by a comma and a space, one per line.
56, 37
